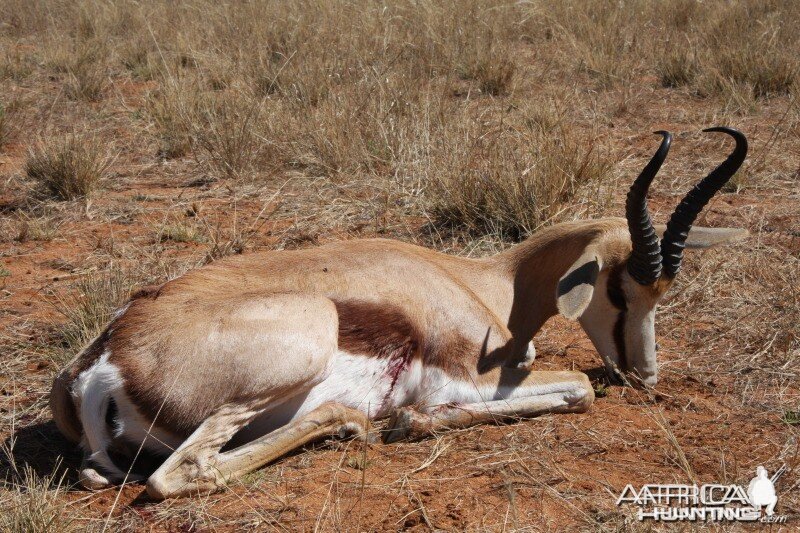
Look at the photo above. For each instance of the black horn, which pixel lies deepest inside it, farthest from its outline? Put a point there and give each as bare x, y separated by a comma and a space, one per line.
644, 265
680, 223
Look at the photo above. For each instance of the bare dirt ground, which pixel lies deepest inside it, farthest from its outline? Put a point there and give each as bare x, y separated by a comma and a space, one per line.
728, 398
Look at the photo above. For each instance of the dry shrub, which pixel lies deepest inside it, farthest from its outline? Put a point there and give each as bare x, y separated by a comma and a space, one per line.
137, 56
510, 180
679, 67
172, 109
89, 308
225, 131
482, 49
333, 139
303, 83
6, 131
69, 167
494, 76
83, 65
86, 81
223, 126
492, 69
35, 504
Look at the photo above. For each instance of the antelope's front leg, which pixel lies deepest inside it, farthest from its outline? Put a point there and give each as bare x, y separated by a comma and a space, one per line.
193, 467
198, 466
540, 393
525, 361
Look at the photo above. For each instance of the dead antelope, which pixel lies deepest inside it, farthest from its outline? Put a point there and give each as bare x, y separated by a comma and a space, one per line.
263, 353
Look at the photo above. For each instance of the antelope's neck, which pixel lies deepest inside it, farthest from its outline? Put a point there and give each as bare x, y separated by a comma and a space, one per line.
519, 284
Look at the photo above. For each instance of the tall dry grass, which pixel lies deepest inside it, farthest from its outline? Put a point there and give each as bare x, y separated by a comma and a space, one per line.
5, 127
510, 176
488, 116
68, 167
35, 504
87, 310
347, 90
715, 49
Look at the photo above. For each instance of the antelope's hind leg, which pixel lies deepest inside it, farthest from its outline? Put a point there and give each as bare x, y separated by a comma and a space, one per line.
198, 466
273, 351
539, 393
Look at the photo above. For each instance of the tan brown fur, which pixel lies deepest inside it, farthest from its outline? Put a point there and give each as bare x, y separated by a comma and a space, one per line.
471, 314
63, 408
62, 403
204, 355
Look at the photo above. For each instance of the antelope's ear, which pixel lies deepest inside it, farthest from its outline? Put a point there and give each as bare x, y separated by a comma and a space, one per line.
576, 286
701, 238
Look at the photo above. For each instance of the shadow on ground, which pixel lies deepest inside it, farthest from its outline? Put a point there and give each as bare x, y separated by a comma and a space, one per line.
43, 449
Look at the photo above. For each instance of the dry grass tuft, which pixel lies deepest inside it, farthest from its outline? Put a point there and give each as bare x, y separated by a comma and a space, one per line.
5, 127
35, 504
225, 131
460, 124
88, 309
171, 109
69, 167
86, 81
30, 227
83, 65
679, 67
494, 76
510, 181
138, 55
180, 231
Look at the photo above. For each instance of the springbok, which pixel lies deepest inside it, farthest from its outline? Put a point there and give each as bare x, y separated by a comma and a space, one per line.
263, 353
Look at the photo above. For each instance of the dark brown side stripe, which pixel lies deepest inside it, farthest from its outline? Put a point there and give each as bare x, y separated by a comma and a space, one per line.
376, 330
386, 331
382, 331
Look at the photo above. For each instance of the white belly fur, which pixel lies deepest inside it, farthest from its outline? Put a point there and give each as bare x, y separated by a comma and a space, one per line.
365, 383
372, 385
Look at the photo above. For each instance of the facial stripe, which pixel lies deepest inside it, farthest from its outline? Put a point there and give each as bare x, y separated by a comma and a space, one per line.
619, 340
617, 298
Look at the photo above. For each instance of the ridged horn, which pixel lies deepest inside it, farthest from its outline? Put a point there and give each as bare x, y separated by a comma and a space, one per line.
680, 223
644, 265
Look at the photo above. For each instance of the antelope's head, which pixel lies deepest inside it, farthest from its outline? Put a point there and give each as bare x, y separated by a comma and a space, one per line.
613, 289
